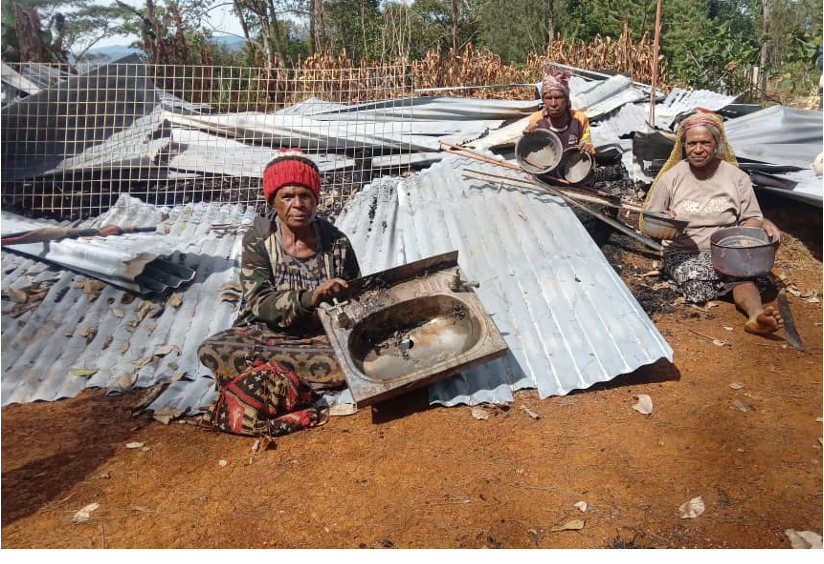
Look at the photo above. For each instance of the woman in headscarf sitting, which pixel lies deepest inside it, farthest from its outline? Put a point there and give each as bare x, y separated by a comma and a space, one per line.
558, 116
291, 263
702, 184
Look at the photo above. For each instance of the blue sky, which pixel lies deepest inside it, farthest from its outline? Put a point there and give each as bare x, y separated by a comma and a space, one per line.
223, 21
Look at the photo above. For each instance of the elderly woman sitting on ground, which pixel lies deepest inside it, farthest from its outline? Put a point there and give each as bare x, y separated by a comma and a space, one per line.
291, 264
701, 183
571, 127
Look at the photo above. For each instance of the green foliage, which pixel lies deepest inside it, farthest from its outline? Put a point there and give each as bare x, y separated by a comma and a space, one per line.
515, 28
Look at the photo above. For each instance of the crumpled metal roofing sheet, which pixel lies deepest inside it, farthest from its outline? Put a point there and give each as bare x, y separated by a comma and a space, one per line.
679, 101
311, 134
605, 96
78, 123
203, 152
426, 108
809, 189
42, 346
567, 317
131, 261
778, 135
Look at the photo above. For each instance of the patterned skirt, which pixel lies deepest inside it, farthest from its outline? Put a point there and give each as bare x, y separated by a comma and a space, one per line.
698, 281
229, 353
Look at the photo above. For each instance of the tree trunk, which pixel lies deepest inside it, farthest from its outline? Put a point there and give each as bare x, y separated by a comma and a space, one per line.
319, 35
765, 7
455, 26
312, 25
274, 33
363, 27
242, 21
550, 21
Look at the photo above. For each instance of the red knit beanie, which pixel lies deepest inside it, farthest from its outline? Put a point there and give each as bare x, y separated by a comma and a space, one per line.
290, 168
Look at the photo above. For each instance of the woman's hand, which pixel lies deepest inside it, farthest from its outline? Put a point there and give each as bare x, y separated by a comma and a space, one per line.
768, 226
771, 229
328, 290
587, 148
530, 128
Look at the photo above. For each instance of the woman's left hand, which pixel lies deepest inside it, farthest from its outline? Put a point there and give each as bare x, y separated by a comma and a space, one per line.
768, 226
587, 148
771, 229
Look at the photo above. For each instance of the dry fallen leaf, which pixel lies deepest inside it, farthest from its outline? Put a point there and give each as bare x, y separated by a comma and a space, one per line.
167, 414
479, 413
803, 539
91, 288
644, 405
234, 286
736, 385
582, 505
17, 296
229, 297
163, 350
88, 333
134, 445
574, 525
741, 406
124, 346
728, 328
692, 508
126, 381
530, 412
118, 313
85, 514
83, 372
175, 300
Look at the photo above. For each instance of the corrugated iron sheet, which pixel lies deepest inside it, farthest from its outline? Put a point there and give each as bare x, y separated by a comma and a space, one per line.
778, 135
114, 337
134, 262
567, 317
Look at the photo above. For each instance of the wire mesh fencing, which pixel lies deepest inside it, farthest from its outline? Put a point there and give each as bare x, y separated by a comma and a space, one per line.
74, 140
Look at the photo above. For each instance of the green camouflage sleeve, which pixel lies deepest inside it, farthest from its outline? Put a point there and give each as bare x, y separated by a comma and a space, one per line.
350, 269
283, 308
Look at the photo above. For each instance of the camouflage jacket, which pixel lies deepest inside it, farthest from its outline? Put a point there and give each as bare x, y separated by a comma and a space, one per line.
277, 288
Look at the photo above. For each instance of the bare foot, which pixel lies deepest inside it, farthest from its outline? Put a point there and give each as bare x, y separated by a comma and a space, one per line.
764, 323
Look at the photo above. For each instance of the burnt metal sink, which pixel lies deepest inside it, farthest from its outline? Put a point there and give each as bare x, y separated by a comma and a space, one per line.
408, 326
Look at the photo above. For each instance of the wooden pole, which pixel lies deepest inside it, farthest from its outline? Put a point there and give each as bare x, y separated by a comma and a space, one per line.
655, 63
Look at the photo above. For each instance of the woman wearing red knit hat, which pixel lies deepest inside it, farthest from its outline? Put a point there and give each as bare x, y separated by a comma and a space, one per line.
292, 262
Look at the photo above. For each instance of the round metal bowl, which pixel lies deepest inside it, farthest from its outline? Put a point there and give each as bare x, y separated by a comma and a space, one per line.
539, 152
742, 252
575, 166
661, 226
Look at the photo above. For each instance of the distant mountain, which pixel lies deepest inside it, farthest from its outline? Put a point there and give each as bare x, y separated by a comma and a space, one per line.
111, 53
231, 42
115, 52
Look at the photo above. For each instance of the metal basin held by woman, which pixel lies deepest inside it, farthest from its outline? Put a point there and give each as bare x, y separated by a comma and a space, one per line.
575, 166
539, 152
661, 226
742, 251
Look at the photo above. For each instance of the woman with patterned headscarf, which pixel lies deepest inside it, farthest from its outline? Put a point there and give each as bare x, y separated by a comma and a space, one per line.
702, 184
558, 116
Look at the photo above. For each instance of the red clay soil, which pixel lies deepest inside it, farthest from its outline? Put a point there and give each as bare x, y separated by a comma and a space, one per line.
406, 475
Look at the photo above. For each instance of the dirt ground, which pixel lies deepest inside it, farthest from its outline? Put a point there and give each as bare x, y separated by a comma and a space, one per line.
406, 475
